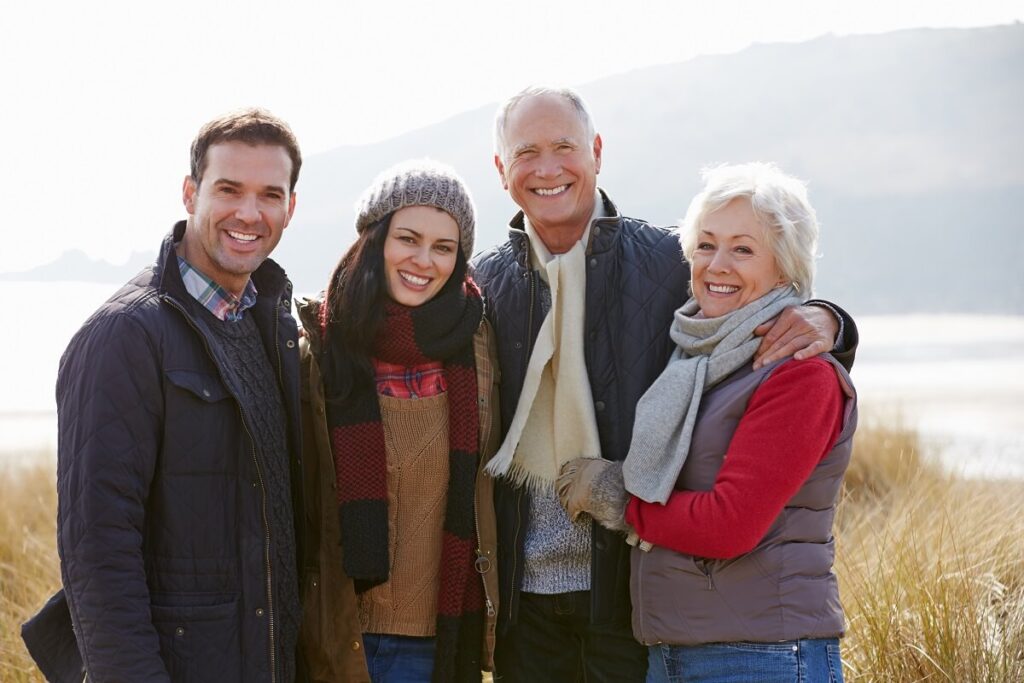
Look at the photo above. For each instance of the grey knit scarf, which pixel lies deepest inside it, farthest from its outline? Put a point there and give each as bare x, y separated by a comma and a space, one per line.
708, 350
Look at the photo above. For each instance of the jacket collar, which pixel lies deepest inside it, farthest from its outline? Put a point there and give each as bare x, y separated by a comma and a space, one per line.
309, 317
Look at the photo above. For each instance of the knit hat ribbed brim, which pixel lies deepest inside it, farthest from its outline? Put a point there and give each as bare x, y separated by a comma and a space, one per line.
421, 182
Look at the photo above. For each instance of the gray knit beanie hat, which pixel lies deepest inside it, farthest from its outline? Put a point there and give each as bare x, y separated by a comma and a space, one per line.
421, 182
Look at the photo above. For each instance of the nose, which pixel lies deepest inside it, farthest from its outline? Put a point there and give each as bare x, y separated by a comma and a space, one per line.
247, 211
548, 166
421, 257
720, 262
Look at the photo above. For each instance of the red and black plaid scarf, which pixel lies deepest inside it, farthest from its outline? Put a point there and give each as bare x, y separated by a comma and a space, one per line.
442, 329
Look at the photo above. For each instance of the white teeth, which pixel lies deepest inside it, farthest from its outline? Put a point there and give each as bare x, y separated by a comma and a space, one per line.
241, 236
414, 279
549, 192
723, 289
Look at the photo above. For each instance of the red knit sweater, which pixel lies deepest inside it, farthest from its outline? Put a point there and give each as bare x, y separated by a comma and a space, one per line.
792, 420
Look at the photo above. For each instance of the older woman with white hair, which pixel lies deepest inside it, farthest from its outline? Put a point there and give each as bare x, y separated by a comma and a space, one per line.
730, 485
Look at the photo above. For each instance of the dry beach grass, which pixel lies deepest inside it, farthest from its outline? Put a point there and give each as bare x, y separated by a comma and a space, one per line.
931, 565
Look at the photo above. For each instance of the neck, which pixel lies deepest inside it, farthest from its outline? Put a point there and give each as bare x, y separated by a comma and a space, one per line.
235, 284
560, 240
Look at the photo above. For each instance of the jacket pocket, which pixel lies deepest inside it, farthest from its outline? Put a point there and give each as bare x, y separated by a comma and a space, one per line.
202, 402
200, 642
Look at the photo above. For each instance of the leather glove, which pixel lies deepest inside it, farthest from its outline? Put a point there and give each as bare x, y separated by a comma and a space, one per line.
594, 486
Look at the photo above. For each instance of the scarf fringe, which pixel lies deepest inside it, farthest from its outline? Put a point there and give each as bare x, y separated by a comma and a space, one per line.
517, 475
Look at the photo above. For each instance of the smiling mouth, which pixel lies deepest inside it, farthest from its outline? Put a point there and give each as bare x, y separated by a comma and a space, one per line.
550, 191
415, 280
242, 237
722, 289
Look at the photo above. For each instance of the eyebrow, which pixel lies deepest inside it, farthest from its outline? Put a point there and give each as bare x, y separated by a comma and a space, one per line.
523, 148
420, 234
236, 184
742, 234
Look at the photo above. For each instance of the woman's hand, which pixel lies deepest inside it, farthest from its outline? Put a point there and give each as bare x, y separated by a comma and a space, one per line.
594, 486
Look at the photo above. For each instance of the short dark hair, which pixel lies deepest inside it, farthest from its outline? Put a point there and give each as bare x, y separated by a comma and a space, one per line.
252, 126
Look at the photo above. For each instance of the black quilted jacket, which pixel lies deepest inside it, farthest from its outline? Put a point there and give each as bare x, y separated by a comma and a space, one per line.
636, 278
162, 520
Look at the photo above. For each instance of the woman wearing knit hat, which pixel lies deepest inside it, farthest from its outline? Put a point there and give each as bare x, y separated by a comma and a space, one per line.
400, 582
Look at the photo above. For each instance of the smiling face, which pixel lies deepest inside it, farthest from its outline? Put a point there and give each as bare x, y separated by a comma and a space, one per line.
420, 253
238, 212
550, 168
732, 264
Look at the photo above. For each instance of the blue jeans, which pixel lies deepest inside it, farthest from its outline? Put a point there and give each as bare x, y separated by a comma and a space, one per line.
398, 659
793, 661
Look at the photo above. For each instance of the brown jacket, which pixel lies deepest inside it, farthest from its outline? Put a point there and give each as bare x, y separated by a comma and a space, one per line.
331, 641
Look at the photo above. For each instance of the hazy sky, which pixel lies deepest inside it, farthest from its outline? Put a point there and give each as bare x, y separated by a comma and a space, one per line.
101, 100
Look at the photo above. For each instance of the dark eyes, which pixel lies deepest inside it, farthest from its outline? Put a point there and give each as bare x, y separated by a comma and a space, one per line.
708, 246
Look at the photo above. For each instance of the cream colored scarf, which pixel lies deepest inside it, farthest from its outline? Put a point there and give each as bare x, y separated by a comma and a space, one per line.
554, 420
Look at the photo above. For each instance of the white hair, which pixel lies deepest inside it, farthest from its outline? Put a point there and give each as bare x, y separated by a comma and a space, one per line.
780, 203
570, 95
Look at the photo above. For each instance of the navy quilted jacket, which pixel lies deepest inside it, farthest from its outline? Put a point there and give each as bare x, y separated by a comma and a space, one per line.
636, 279
163, 532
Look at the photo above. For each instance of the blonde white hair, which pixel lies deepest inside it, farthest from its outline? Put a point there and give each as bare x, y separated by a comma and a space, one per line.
780, 203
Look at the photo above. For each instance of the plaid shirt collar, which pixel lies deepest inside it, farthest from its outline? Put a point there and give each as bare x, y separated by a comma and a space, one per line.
219, 301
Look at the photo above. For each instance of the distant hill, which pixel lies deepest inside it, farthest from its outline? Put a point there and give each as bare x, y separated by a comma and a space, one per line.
75, 266
910, 141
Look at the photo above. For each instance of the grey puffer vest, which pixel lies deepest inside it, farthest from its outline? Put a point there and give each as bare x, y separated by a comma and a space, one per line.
783, 589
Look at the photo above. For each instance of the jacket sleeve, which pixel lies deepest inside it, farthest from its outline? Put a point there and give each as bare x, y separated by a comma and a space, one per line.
845, 349
109, 409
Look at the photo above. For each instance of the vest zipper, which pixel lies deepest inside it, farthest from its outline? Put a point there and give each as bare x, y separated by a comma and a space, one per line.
703, 567
259, 476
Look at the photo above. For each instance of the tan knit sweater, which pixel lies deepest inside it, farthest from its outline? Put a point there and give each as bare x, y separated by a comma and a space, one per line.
416, 441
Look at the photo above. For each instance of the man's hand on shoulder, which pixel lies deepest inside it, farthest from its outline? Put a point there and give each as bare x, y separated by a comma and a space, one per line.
799, 331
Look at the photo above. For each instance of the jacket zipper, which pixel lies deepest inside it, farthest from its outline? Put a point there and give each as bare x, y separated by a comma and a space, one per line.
483, 563
531, 277
259, 477
266, 549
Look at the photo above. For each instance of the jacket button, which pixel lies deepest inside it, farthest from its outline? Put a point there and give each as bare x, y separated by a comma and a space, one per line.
599, 406
206, 393
356, 645
593, 263
259, 611
179, 631
518, 345
315, 584
600, 545
290, 344
596, 230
